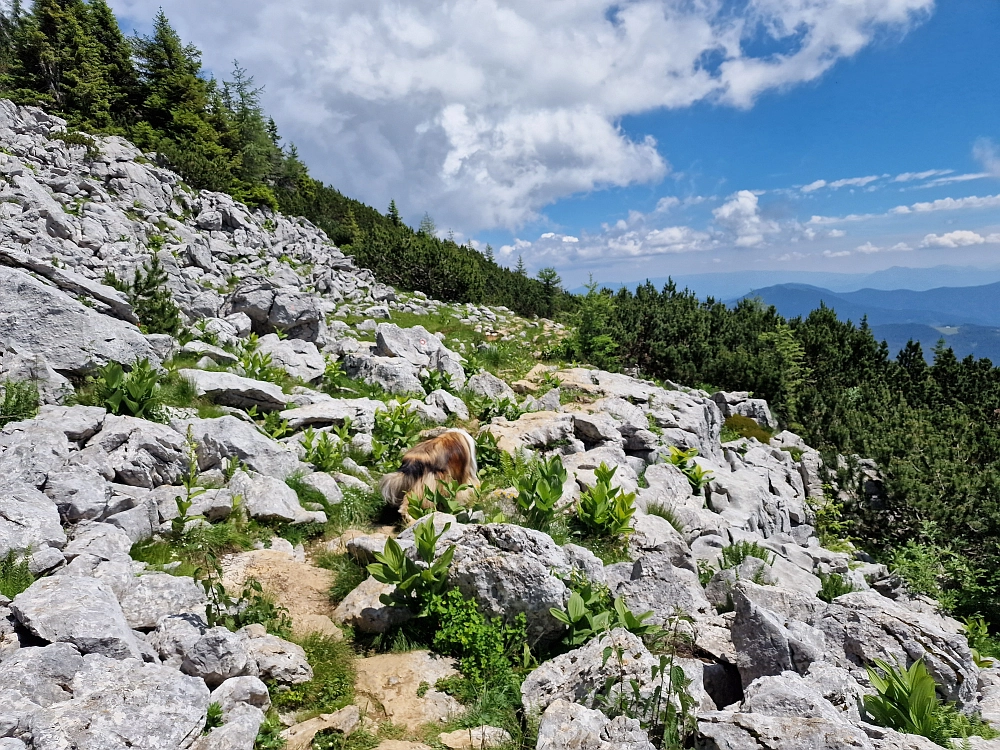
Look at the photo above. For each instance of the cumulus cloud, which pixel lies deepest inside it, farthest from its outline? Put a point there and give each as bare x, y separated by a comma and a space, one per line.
740, 215
958, 238
486, 111
835, 233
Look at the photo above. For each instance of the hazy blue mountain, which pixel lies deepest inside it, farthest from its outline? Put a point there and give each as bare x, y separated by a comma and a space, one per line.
730, 285
978, 341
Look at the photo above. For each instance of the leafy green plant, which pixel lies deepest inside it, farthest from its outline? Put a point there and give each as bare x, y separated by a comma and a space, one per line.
134, 394
444, 498
256, 365
683, 460
332, 685
538, 493
981, 642
582, 623
604, 510
667, 711
179, 524
832, 528
906, 700
20, 401
591, 611
269, 734
276, 427
322, 451
485, 409
395, 431
832, 586
15, 576
435, 380
416, 582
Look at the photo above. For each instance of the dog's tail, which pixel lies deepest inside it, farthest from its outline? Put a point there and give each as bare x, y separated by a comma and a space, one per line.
394, 487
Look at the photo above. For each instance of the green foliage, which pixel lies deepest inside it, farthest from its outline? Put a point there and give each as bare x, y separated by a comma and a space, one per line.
590, 611
444, 498
832, 528
982, 643
133, 394
667, 711
213, 717
20, 401
435, 380
832, 586
684, 460
745, 427
150, 299
733, 555
348, 574
539, 491
485, 409
322, 451
14, 575
604, 510
593, 339
257, 365
417, 583
396, 431
269, 735
907, 701
332, 685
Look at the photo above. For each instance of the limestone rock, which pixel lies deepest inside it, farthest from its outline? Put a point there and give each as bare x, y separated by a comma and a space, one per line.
391, 682
270, 498
226, 438
28, 520
234, 390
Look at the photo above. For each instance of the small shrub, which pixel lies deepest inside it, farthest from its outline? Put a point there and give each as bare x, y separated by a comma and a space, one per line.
322, 451
269, 735
982, 643
444, 498
14, 575
832, 586
831, 527
590, 611
256, 365
604, 510
539, 492
147, 293
485, 409
747, 428
734, 554
20, 401
683, 460
134, 394
395, 432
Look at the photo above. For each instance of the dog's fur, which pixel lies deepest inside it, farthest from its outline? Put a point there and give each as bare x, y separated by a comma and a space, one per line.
448, 457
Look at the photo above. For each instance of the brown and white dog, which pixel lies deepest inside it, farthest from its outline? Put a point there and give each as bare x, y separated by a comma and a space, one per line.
451, 456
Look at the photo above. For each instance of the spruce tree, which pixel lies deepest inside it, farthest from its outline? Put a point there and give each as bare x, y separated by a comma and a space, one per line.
115, 53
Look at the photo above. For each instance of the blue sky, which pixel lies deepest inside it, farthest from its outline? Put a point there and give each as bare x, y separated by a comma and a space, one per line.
640, 139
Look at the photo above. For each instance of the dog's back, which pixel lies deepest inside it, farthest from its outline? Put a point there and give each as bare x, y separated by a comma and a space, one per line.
448, 457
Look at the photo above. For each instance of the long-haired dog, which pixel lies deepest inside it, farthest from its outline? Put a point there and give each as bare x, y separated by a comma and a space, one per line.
449, 457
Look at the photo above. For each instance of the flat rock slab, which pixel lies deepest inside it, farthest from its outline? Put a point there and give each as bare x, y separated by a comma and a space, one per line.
80, 611
387, 685
234, 390
300, 736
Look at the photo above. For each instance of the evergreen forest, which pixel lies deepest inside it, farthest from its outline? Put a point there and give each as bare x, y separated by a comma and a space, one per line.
933, 428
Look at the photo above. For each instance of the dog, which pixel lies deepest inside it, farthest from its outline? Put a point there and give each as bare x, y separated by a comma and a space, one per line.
449, 457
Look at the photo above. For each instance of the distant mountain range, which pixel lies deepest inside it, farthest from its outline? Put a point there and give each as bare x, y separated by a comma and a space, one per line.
967, 318
735, 284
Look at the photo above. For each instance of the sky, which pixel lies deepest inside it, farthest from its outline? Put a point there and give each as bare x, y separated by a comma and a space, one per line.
641, 138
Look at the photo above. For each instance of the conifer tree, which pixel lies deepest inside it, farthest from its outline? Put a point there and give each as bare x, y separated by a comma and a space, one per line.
115, 54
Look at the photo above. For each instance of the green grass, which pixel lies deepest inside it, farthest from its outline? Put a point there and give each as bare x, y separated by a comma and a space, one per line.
667, 513
745, 427
358, 510
348, 573
332, 686
14, 575
832, 586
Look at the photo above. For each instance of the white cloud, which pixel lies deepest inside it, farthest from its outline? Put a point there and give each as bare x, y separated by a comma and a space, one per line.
955, 178
868, 248
950, 204
813, 186
485, 111
958, 238
985, 152
740, 215
570, 238
834, 233
836, 253
666, 203
854, 181
911, 176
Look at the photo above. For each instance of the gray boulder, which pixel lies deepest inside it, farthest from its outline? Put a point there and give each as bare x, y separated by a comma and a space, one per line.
508, 569
656, 585
393, 374
226, 438
138, 453
53, 388
236, 691
326, 485
156, 595
175, 636
79, 493
118, 704
28, 520
239, 732
420, 348
269, 498
729, 730
740, 403
73, 338
235, 390
81, 611
570, 726
42, 674
79, 423
490, 387
300, 359
448, 403
29, 451
359, 411
276, 658
218, 655
100, 540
